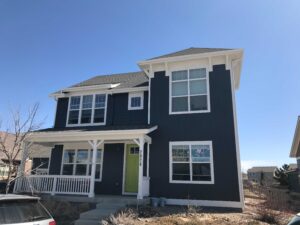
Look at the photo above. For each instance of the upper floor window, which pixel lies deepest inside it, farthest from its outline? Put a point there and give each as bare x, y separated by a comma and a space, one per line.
191, 162
189, 91
135, 101
87, 109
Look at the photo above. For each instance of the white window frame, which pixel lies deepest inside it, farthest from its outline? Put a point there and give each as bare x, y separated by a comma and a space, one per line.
135, 94
174, 143
89, 164
80, 110
189, 95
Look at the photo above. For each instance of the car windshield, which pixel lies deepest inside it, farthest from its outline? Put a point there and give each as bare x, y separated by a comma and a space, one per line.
22, 212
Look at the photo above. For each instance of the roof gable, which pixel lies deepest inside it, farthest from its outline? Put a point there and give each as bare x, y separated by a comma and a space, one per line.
191, 51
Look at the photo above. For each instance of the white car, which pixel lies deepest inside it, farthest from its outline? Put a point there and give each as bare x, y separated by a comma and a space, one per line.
23, 210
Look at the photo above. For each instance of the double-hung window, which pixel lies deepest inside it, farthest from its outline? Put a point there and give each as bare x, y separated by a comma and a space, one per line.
191, 162
79, 162
189, 91
87, 109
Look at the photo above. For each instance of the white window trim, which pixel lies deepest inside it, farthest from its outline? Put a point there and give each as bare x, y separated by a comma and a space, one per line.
171, 144
207, 86
89, 162
80, 110
135, 94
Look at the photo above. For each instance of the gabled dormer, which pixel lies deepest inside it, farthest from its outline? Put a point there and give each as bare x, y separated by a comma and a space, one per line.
105, 100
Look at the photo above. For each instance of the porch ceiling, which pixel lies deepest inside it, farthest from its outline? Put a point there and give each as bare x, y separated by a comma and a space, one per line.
83, 135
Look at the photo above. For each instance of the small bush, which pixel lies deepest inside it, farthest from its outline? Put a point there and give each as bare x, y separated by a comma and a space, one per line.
267, 216
127, 217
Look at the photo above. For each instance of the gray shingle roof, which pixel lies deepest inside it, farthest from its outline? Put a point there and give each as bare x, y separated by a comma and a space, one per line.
191, 51
97, 128
126, 80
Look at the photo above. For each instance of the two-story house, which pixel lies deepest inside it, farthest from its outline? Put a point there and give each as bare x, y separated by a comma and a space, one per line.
169, 130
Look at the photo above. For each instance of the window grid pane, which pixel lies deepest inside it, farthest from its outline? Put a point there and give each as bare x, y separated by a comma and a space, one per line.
75, 102
100, 101
179, 75
135, 102
87, 101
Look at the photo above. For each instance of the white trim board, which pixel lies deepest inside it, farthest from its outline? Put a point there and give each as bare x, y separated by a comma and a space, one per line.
236, 137
88, 90
208, 203
296, 140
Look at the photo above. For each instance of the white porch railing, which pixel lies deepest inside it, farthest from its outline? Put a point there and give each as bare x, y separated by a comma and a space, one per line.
54, 184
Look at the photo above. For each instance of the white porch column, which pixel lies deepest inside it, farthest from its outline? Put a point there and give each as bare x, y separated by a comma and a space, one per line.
148, 158
140, 142
95, 144
26, 146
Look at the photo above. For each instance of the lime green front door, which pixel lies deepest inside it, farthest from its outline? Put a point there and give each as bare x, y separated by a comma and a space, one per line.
131, 168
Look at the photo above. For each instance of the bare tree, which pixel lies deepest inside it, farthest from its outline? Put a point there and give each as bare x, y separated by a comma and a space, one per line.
20, 127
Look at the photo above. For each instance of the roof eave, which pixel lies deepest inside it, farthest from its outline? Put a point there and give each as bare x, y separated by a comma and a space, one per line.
65, 93
236, 64
296, 140
188, 57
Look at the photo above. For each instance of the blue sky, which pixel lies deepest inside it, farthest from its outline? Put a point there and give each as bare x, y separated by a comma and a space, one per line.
50, 44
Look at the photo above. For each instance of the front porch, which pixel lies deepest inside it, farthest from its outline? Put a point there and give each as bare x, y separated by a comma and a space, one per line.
105, 160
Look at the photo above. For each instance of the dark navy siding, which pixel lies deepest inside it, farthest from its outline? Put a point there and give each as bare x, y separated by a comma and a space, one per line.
117, 112
122, 116
217, 126
61, 112
55, 161
112, 174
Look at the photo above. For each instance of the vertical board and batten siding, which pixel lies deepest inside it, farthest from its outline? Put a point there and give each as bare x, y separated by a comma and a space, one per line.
117, 112
55, 160
112, 174
217, 126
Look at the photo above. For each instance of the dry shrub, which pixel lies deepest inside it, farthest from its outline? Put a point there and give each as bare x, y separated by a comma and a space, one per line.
147, 211
267, 215
125, 217
191, 209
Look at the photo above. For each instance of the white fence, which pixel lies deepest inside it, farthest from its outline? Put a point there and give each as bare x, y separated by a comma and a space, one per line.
75, 185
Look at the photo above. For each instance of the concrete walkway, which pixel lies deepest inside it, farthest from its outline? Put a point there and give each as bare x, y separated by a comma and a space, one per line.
105, 207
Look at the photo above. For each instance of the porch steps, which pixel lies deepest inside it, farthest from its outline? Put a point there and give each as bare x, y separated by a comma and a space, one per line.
105, 207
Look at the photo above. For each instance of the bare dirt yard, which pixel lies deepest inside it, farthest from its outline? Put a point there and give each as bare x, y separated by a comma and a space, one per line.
262, 206
259, 210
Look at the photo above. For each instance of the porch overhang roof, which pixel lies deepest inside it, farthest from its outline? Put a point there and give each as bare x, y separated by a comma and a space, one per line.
83, 135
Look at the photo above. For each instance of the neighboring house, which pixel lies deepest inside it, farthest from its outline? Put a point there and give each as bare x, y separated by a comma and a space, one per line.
4, 163
262, 175
169, 130
295, 153
293, 166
